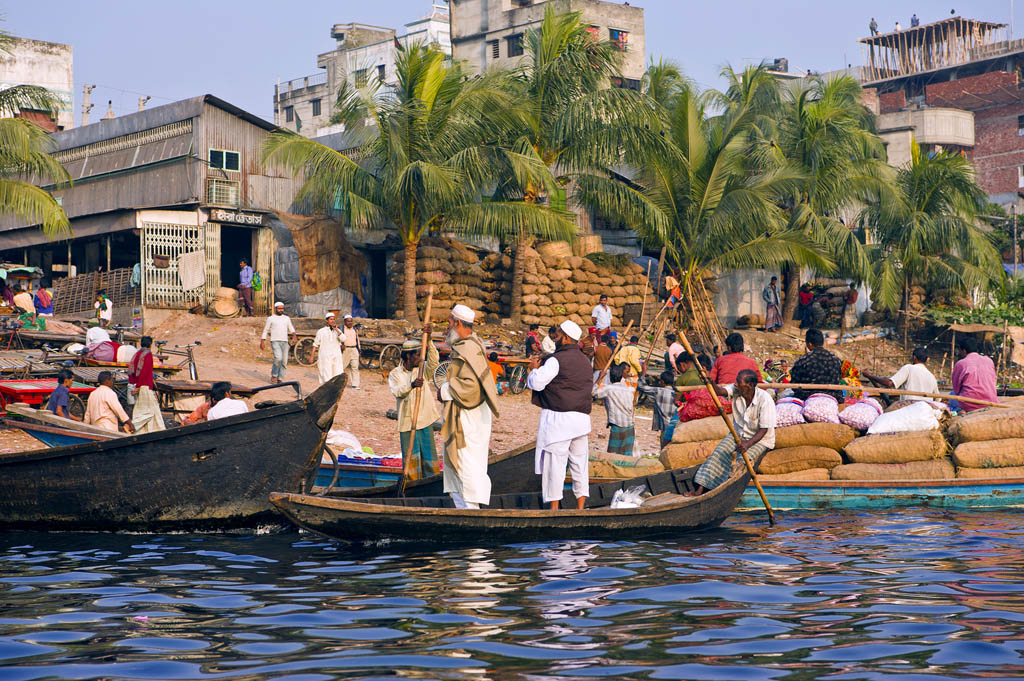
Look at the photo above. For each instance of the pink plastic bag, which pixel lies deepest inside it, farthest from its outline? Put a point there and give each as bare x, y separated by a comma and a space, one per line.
821, 408
789, 412
861, 414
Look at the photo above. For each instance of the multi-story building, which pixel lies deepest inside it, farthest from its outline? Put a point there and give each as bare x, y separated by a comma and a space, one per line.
362, 52
46, 64
952, 84
488, 33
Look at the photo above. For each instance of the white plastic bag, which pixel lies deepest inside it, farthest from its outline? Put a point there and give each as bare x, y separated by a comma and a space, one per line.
918, 416
629, 498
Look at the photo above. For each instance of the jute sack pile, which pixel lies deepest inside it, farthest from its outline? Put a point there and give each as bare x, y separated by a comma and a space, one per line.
995, 423
832, 435
798, 459
809, 475
935, 469
710, 428
920, 445
617, 467
686, 454
988, 454
991, 473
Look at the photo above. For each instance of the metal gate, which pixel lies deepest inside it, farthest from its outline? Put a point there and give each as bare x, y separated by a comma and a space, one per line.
162, 244
212, 260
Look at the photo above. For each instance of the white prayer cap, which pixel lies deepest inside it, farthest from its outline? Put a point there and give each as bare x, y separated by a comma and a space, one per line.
463, 313
348, 316
571, 329
328, 315
279, 304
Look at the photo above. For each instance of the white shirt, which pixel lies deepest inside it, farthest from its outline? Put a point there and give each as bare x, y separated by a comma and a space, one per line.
329, 342
227, 407
107, 314
555, 426
548, 345
96, 334
278, 326
917, 378
750, 418
603, 316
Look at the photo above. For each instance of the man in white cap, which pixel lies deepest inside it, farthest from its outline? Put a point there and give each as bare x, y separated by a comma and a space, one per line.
279, 328
470, 399
350, 354
327, 350
561, 388
416, 434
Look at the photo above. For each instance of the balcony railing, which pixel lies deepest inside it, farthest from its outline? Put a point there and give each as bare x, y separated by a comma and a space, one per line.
313, 80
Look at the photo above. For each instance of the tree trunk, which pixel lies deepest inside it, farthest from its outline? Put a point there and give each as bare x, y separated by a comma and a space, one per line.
409, 304
791, 282
515, 312
906, 312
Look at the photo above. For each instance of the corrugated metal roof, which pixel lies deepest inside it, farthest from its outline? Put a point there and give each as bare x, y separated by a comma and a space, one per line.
147, 119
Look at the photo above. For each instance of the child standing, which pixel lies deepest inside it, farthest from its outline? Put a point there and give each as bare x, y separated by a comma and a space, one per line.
618, 403
664, 397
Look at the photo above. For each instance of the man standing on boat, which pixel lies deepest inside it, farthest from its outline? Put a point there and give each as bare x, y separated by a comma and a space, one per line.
561, 387
470, 398
327, 350
416, 434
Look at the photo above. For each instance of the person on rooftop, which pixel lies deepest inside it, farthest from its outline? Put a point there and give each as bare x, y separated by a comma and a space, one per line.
873, 26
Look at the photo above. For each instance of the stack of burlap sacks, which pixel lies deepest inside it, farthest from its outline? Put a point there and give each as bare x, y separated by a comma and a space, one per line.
823, 451
989, 443
452, 268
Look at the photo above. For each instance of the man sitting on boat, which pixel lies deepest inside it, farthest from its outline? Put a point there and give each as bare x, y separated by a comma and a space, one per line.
103, 408
416, 434
60, 399
974, 375
753, 415
561, 387
470, 399
914, 377
222, 404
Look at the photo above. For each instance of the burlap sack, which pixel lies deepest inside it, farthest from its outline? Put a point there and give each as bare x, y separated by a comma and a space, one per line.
831, 435
990, 453
991, 473
710, 428
619, 467
432, 252
936, 469
919, 445
686, 454
994, 423
793, 459
809, 474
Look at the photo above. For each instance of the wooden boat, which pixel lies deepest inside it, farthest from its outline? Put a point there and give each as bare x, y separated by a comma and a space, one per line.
874, 495
510, 472
55, 436
214, 475
519, 517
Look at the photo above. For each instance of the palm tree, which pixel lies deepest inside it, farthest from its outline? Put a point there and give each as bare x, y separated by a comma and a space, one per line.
575, 122
24, 158
698, 193
430, 151
932, 237
825, 130
663, 80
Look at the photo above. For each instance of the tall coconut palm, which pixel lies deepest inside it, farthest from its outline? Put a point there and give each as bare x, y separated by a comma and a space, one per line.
663, 80
827, 132
24, 160
575, 122
933, 235
426, 159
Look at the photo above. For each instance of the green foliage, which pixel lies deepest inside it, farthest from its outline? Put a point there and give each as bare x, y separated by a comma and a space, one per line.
1011, 314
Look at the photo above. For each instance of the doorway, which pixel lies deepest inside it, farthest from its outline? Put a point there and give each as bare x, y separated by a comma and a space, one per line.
377, 291
235, 244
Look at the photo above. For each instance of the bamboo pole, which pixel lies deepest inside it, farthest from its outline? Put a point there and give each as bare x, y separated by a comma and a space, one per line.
647, 283
732, 429
604, 371
643, 367
865, 389
407, 460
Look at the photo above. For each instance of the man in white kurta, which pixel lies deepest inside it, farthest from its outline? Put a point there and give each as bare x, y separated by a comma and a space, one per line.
327, 350
562, 389
470, 400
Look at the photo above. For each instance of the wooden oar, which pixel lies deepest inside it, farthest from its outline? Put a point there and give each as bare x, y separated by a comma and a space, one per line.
407, 460
643, 367
625, 335
732, 429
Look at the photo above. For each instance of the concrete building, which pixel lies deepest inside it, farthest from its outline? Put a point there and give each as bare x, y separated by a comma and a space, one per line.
488, 33
362, 53
46, 64
952, 84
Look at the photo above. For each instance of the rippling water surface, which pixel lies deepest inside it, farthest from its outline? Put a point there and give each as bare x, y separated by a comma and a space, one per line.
910, 595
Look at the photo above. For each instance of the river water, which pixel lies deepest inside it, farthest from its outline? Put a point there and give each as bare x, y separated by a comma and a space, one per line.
911, 595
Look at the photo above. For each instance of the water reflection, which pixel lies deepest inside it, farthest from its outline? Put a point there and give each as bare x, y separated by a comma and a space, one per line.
922, 595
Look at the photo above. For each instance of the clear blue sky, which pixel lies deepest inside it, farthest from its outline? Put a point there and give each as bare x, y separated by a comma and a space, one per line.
237, 49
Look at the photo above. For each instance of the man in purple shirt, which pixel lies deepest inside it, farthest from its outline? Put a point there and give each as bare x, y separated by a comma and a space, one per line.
245, 286
974, 375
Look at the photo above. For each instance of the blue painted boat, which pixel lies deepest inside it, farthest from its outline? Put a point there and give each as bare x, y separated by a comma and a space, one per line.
357, 475
52, 436
863, 495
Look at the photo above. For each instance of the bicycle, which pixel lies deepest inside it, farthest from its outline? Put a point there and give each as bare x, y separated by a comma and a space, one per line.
162, 353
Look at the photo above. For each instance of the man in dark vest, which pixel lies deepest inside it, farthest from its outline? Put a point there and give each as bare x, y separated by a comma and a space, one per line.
561, 383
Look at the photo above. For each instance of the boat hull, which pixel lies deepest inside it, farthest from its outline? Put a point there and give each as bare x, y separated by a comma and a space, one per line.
841, 494
518, 517
209, 476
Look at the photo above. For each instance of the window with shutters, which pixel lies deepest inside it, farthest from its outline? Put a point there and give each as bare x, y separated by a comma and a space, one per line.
225, 160
361, 77
495, 49
316, 107
289, 114
514, 45
619, 38
382, 72
222, 192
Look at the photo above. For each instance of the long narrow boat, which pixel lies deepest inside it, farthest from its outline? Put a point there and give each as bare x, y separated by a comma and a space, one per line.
511, 472
209, 476
520, 517
872, 495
